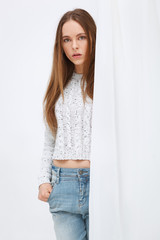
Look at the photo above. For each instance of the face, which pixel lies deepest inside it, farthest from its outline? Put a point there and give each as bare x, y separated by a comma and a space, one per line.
74, 41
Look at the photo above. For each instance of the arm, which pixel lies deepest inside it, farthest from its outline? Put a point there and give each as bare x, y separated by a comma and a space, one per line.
46, 159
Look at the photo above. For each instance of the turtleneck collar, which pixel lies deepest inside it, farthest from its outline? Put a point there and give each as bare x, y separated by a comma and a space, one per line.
77, 75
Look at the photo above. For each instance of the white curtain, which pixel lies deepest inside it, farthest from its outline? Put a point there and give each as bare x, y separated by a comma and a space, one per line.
125, 151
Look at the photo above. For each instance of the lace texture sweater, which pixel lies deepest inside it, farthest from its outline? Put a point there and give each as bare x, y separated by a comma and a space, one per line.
73, 139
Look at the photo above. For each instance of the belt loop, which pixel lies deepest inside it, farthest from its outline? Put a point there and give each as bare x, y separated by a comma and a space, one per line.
58, 173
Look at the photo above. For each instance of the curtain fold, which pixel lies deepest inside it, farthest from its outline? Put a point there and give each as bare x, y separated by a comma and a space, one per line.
125, 150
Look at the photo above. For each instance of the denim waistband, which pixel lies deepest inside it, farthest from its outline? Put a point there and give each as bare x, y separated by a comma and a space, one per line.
78, 171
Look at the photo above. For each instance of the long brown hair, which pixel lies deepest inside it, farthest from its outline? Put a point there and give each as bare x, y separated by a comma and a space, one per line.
62, 67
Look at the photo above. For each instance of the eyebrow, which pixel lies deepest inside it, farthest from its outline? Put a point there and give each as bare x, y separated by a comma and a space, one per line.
76, 35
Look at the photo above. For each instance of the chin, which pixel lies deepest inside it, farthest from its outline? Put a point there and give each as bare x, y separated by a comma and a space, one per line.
79, 63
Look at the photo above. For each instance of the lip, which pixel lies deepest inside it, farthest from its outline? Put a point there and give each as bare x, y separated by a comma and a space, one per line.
76, 56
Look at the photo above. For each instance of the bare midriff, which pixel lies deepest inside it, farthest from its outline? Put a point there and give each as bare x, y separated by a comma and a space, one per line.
70, 163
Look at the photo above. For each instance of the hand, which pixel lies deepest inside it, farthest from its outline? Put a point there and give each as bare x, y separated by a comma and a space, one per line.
44, 191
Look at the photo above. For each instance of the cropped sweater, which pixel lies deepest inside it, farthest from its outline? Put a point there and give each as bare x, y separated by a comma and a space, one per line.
73, 138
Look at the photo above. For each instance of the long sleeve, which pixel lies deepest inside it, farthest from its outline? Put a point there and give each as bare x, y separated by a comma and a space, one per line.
46, 159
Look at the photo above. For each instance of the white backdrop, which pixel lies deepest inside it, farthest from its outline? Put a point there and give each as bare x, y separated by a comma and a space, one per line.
125, 189
27, 31
125, 182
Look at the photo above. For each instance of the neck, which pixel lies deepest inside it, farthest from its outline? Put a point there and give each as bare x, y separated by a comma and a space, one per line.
77, 72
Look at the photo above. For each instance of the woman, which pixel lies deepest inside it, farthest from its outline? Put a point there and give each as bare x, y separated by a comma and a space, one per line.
65, 166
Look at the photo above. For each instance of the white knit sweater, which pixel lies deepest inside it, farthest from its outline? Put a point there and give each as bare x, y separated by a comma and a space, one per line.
73, 139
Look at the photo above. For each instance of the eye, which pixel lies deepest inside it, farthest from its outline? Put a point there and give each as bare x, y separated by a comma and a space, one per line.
83, 37
65, 40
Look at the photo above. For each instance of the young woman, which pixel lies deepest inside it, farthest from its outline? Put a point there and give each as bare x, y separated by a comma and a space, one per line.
65, 167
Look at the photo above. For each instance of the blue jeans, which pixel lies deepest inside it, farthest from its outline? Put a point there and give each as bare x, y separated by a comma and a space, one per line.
69, 202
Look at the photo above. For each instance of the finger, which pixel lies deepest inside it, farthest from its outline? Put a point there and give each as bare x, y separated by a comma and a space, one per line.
50, 190
44, 199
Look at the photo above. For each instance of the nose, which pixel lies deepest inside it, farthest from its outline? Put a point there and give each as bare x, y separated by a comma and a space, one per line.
74, 44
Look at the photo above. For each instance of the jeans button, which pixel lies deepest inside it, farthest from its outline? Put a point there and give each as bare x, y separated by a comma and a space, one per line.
80, 172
